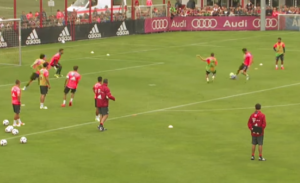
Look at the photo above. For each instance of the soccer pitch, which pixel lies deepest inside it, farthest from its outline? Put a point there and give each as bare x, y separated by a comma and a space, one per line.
157, 81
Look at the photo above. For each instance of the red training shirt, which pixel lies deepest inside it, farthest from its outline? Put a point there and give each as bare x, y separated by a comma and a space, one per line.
97, 89
15, 93
103, 96
55, 59
73, 79
257, 119
248, 59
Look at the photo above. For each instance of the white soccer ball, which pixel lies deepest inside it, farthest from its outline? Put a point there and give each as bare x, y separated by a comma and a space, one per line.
23, 140
232, 75
5, 122
107, 54
15, 132
92, 52
3, 142
8, 129
170, 126
63, 41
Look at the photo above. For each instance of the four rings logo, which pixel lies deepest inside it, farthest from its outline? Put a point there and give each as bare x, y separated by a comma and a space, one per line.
270, 23
160, 24
204, 23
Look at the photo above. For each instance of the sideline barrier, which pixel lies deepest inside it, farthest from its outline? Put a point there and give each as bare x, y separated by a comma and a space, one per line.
240, 23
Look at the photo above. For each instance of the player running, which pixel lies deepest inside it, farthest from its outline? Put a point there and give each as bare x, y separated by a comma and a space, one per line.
71, 83
44, 84
103, 95
16, 103
55, 63
211, 66
279, 48
36, 66
248, 59
95, 89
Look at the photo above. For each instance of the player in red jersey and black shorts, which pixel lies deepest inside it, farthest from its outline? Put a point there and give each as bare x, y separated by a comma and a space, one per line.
16, 103
71, 83
97, 87
103, 96
248, 59
55, 63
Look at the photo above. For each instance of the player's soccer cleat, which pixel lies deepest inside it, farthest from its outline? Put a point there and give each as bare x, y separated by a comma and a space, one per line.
44, 107
19, 125
282, 68
247, 78
15, 125
70, 104
261, 159
23, 124
56, 75
24, 88
252, 158
276, 68
63, 105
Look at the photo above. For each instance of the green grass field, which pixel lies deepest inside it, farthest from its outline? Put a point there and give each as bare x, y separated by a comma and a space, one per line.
157, 81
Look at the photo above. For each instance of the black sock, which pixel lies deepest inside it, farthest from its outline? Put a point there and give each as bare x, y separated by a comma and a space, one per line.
27, 85
58, 71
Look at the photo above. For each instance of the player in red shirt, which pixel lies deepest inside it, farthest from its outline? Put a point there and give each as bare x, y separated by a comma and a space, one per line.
55, 63
97, 87
248, 59
71, 83
257, 124
16, 103
103, 96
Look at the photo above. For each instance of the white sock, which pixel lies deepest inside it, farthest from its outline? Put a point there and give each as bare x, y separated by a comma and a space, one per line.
71, 100
98, 116
276, 66
64, 102
42, 105
207, 79
15, 122
282, 65
19, 121
213, 77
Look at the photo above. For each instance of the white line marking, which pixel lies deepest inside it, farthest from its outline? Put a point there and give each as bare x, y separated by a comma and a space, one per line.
159, 110
89, 73
233, 109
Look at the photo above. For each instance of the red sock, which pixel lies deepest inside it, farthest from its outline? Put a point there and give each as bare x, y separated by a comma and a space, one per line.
260, 155
252, 154
101, 124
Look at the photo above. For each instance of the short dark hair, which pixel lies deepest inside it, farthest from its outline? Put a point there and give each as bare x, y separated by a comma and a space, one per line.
61, 50
105, 81
17, 82
75, 68
279, 38
42, 56
99, 79
257, 106
212, 54
45, 64
244, 49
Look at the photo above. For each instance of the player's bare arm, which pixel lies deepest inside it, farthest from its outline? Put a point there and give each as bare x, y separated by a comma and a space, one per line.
203, 59
48, 83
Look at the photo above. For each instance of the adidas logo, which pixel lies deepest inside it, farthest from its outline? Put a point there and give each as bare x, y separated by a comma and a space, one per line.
122, 30
3, 44
94, 33
65, 35
33, 38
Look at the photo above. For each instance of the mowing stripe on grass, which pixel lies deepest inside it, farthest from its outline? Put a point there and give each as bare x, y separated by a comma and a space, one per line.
89, 73
159, 110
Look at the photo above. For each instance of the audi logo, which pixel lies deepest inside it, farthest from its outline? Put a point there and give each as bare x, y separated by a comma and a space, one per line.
204, 23
160, 24
270, 23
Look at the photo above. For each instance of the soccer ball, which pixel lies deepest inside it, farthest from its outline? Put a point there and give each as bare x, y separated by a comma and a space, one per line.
9, 128
23, 140
232, 75
5, 122
15, 132
3, 142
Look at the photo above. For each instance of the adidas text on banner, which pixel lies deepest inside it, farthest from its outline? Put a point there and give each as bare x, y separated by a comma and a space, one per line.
33, 38
94, 33
3, 44
122, 30
65, 35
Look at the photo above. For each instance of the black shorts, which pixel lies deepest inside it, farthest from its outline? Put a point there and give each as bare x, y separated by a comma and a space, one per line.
57, 65
67, 89
258, 140
44, 90
17, 108
95, 102
208, 72
243, 67
281, 57
103, 110
34, 76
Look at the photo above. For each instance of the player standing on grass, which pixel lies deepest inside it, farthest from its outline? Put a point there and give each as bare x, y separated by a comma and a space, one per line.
103, 95
55, 63
36, 66
211, 65
248, 59
16, 103
97, 88
257, 124
44, 84
279, 48
71, 83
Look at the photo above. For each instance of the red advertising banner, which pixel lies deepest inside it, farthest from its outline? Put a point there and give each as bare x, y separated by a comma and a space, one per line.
238, 23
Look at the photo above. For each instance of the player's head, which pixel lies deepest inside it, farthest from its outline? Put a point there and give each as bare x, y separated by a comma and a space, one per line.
45, 65
212, 54
75, 68
257, 106
105, 81
279, 39
99, 79
244, 50
42, 56
18, 82
61, 51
